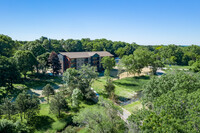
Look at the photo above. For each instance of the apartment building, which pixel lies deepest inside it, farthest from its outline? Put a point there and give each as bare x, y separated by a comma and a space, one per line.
77, 59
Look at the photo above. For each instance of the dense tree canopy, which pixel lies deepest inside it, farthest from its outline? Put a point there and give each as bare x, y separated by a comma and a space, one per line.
25, 61
174, 100
8, 72
6, 46
81, 79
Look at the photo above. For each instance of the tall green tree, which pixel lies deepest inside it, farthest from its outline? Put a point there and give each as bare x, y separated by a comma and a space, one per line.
43, 62
37, 49
8, 72
25, 61
71, 78
87, 75
76, 97
8, 107
27, 105
54, 62
47, 91
110, 88
58, 104
108, 64
6, 45
155, 63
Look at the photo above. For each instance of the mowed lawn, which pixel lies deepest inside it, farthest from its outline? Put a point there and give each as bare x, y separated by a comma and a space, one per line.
49, 123
178, 67
125, 87
134, 106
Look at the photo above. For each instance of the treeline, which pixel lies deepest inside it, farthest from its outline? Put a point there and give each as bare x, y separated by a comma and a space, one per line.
171, 54
20, 57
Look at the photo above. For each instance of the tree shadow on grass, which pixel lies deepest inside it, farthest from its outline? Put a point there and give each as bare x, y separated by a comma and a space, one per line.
142, 77
41, 122
125, 84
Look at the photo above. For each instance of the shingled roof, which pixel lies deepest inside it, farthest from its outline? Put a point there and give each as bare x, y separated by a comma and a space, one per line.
85, 54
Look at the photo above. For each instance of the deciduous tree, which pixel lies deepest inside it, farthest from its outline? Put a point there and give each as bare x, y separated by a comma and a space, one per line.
25, 61
108, 64
58, 104
47, 91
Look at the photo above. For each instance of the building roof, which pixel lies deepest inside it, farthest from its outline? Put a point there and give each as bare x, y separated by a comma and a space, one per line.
85, 54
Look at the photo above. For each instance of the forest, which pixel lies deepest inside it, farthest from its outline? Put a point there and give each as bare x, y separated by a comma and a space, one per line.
169, 103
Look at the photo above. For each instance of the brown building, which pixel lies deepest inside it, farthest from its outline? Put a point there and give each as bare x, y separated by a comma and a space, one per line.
77, 59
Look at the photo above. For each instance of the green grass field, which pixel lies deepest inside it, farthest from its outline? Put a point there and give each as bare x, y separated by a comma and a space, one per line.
48, 122
134, 106
177, 67
38, 83
123, 87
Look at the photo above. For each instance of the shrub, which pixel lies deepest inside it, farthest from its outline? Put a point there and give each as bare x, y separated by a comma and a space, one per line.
59, 125
7, 126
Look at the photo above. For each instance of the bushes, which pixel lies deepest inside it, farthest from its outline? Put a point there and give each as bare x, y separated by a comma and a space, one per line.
7, 126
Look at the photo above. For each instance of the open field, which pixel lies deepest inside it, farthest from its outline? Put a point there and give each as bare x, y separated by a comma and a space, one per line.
125, 87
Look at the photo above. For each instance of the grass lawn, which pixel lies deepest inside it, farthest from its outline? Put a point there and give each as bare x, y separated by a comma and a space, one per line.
134, 106
38, 83
48, 122
176, 67
123, 87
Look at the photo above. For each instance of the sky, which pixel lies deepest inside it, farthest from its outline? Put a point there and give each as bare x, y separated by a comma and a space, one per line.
146, 22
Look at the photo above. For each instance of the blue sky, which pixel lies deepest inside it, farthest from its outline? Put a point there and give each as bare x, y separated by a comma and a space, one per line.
146, 22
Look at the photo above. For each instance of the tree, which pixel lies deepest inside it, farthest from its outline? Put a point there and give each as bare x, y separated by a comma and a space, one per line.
172, 111
81, 79
170, 82
6, 45
130, 64
102, 118
43, 61
47, 44
7, 126
71, 45
76, 97
71, 78
25, 61
108, 64
110, 88
7, 107
155, 63
58, 104
47, 91
37, 49
55, 63
8, 72
120, 52
196, 66
142, 56
87, 75
27, 105
127, 63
